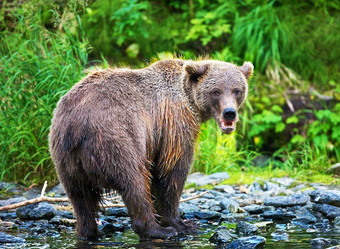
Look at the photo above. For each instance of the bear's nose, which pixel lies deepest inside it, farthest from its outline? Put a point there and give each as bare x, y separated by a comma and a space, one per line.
229, 114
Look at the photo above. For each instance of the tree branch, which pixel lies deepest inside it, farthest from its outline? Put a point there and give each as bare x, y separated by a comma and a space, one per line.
43, 198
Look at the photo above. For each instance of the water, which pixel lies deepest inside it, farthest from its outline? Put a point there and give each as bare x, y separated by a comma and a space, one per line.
278, 236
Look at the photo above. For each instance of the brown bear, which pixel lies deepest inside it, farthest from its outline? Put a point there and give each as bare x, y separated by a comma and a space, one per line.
134, 131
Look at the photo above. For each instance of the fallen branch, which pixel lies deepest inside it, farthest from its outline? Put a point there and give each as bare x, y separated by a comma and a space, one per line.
43, 198
33, 201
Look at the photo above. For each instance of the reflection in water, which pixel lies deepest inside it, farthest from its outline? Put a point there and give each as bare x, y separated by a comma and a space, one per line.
156, 244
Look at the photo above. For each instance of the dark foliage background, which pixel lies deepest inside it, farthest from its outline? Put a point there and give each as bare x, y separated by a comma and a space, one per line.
291, 120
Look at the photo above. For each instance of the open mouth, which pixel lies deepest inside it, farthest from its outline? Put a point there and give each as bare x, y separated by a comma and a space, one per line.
227, 127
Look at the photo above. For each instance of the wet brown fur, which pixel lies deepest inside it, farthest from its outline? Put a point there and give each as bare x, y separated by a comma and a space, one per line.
134, 131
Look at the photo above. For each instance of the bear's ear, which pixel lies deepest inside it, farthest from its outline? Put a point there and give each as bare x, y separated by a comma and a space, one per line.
196, 72
247, 69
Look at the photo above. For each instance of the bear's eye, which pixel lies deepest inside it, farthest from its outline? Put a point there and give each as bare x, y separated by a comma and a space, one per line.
216, 92
237, 92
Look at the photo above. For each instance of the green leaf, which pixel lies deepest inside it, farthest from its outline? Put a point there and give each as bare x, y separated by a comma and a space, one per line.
277, 108
297, 139
320, 141
279, 127
292, 120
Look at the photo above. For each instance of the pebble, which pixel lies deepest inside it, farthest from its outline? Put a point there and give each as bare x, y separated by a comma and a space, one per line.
304, 217
336, 221
270, 186
246, 228
335, 169
11, 201
280, 235
225, 188
287, 201
200, 179
37, 211
7, 238
229, 204
116, 211
330, 197
58, 191
221, 236
207, 214
322, 242
252, 242
329, 211
258, 209
284, 181
280, 215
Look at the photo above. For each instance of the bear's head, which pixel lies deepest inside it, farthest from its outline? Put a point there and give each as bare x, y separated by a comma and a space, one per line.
217, 89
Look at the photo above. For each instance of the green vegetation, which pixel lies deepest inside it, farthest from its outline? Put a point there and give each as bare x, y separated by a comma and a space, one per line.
292, 115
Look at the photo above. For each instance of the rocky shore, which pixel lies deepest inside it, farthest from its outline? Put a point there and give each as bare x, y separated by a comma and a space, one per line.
255, 216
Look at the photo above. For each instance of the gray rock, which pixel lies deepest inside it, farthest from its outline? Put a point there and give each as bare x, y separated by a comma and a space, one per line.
11, 187
8, 216
258, 209
255, 186
270, 186
284, 181
229, 204
66, 214
37, 211
336, 221
186, 207
252, 242
7, 238
116, 211
58, 190
221, 236
334, 247
207, 215
225, 188
233, 218
32, 193
304, 217
329, 211
330, 197
300, 187
215, 208
278, 215
322, 242
200, 179
109, 228
280, 235
246, 228
287, 201
335, 169
11, 201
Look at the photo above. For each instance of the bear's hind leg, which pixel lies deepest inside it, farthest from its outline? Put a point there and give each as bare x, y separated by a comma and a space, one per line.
85, 199
137, 198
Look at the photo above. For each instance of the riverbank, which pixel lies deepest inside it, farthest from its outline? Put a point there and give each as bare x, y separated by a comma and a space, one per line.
279, 213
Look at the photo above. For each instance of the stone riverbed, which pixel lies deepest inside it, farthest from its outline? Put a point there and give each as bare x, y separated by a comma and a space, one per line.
278, 213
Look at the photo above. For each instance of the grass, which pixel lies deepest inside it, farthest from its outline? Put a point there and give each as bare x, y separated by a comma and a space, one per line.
37, 68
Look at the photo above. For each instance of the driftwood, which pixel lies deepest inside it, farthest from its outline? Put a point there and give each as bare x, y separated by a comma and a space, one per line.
44, 198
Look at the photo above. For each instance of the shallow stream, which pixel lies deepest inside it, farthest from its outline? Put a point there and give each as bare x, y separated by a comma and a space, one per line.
291, 237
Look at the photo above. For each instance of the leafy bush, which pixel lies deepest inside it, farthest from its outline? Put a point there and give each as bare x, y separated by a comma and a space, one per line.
325, 131
44, 49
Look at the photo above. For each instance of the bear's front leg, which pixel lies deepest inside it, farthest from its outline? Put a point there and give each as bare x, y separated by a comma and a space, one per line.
167, 189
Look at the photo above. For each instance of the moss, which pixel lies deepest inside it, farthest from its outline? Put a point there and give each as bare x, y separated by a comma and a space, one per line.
252, 174
229, 225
